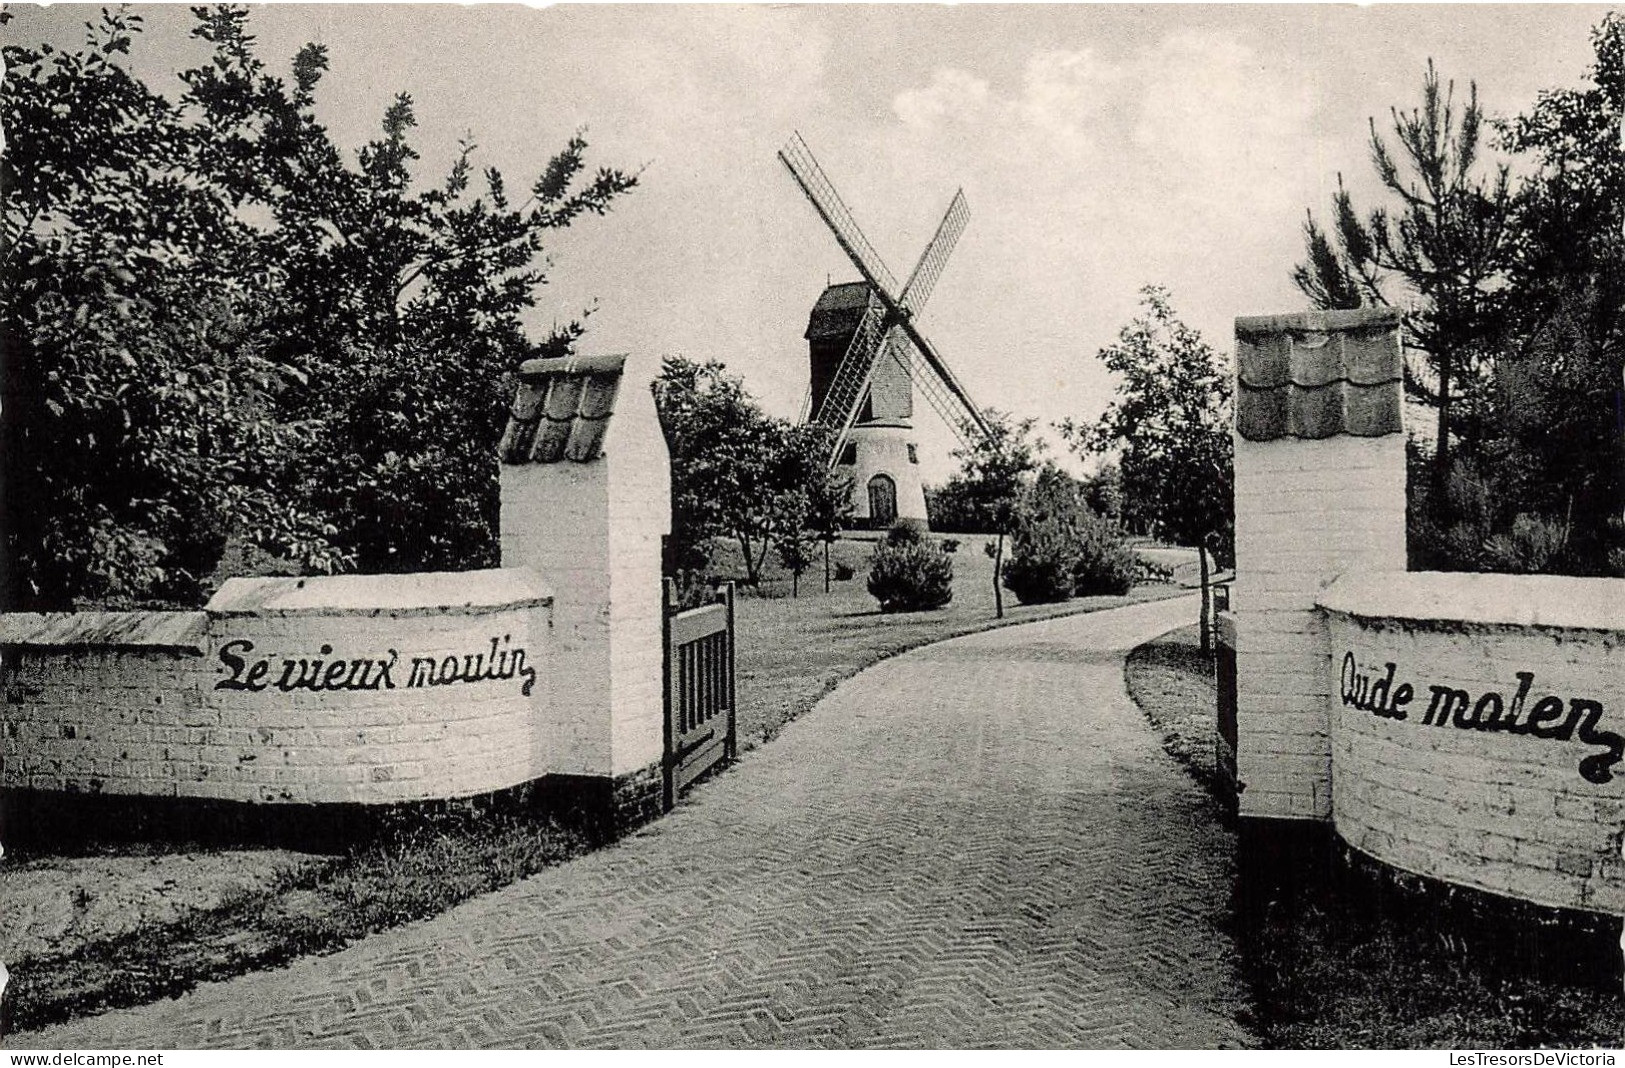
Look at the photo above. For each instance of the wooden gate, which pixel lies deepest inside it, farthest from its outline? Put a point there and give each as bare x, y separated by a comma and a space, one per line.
699, 689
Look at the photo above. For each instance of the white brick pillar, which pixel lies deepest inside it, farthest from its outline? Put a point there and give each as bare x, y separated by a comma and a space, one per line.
586, 499
1319, 489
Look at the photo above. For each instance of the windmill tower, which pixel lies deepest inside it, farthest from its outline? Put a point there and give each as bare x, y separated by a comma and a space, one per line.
867, 355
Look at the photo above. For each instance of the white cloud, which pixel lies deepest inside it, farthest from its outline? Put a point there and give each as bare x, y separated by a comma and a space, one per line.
952, 96
1064, 93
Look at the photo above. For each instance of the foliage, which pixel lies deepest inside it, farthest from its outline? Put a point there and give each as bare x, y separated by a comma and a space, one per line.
134, 439
1105, 564
1472, 527
1103, 492
910, 577
1151, 571
951, 507
1522, 317
206, 304
796, 545
992, 470
1447, 240
1552, 436
1044, 538
736, 471
903, 532
830, 507
1169, 426
1040, 571
1060, 547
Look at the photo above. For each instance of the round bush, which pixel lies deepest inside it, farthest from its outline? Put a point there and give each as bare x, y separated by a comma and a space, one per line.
903, 532
1104, 563
1040, 571
908, 578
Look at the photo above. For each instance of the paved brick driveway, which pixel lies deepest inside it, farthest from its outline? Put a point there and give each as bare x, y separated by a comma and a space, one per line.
975, 844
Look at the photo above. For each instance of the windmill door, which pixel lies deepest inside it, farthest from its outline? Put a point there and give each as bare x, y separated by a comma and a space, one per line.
882, 501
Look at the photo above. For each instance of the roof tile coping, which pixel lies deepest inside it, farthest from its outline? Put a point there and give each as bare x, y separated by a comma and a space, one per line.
1560, 601
561, 409
419, 594
1315, 375
177, 631
1331, 320
1312, 350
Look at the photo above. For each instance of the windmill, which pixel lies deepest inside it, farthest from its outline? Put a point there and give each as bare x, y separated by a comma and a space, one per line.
867, 354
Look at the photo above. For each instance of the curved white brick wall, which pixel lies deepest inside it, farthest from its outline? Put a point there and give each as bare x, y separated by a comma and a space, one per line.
1488, 797
369, 689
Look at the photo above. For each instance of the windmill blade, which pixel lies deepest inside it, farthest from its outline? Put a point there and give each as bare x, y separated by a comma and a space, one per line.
949, 407
934, 377
798, 158
917, 290
839, 409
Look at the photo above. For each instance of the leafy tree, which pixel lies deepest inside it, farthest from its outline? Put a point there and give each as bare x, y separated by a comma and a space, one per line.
1556, 447
992, 469
216, 324
1169, 427
138, 419
796, 544
735, 469
1103, 492
830, 509
951, 508
1446, 239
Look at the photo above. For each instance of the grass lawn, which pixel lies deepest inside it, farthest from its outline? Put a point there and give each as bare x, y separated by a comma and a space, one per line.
791, 651
1326, 975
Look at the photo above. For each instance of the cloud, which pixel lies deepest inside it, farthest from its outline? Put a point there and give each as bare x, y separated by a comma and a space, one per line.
1064, 93
952, 96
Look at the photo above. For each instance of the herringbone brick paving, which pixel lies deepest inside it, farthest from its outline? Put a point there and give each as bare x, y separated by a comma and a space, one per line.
977, 844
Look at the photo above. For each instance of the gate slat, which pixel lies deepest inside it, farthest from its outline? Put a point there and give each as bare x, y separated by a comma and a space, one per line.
699, 691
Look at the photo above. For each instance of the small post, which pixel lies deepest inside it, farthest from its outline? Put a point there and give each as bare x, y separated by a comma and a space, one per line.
1206, 622
668, 604
730, 748
998, 568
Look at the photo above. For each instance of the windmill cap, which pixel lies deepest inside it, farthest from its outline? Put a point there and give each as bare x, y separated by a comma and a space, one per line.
839, 310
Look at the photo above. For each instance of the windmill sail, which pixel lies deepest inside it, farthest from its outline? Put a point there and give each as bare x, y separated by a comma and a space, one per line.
917, 290
836, 215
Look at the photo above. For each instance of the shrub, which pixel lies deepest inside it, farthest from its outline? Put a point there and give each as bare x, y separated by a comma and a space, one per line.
1060, 546
1041, 573
1468, 527
844, 572
1151, 571
911, 577
950, 545
1104, 563
903, 532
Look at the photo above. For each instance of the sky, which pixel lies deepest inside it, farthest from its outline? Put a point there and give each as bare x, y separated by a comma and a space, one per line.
1101, 148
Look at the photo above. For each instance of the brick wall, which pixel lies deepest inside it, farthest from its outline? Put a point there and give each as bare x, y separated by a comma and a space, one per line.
367, 689
1507, 812
100, 720
1306, 512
